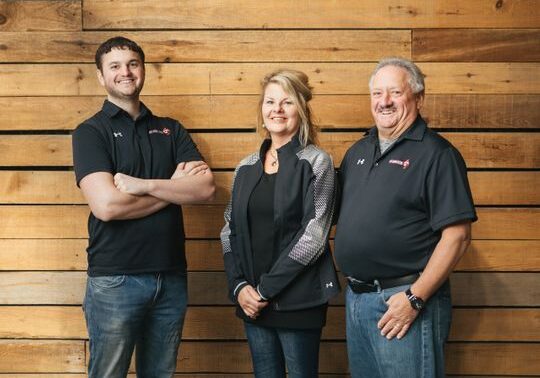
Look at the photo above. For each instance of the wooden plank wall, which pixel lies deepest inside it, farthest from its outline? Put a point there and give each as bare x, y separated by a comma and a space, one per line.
205, 59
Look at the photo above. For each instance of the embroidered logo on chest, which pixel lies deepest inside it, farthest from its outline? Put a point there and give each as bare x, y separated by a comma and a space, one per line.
403, 163
164, 131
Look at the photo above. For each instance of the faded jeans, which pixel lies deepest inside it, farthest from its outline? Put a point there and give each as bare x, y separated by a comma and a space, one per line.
273, 348
143, 310
419, 354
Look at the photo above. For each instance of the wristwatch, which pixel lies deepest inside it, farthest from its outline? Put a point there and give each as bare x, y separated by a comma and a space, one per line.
416, 302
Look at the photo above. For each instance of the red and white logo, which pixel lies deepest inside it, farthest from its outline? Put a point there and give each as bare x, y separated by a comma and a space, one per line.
404, 163
164, 131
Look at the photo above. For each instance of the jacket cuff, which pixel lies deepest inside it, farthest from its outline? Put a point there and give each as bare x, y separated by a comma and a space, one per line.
260, 294
239, 287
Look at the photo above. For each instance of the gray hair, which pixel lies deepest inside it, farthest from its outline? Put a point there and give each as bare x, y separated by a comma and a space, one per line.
416, 77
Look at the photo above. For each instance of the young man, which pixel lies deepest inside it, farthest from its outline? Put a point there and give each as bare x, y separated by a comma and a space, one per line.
135, 170
405, 221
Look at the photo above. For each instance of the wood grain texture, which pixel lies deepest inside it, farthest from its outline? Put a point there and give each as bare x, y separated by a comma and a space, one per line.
480, 150
206, 221
244, 78
239, 111
210, 288
20, 356
206, 14
39, 15
473, 45
58, 187
221, 323
70, 254
206, 255
213, 46
501, 255
493, 359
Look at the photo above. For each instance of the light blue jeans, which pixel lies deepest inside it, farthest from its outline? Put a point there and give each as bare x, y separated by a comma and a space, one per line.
273, 348
420, 354
144, 310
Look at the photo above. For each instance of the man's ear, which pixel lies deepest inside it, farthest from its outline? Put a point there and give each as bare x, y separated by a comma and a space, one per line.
100, 77
419, 101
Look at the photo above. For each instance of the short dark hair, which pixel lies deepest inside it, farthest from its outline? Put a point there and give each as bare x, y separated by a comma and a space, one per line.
117, 43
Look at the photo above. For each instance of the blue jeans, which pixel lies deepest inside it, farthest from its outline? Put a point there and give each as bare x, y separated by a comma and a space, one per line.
273, 348
419, 354
143, 310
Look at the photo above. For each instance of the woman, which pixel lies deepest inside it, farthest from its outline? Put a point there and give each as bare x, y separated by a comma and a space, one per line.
275, 240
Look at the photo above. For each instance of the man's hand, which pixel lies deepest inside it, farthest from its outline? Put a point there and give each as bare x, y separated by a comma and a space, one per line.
191, 168
397, 320
131, 185
250, 301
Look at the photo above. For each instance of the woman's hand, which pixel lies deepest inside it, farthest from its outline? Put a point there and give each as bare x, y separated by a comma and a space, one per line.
250, 301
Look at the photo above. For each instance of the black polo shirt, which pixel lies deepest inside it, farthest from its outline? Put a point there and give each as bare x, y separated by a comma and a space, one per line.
149, 147
394, 205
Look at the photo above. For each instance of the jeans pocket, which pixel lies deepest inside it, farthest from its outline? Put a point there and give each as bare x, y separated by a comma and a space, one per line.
107, 282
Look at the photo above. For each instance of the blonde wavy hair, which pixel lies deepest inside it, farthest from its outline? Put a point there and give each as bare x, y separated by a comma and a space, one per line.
296, 85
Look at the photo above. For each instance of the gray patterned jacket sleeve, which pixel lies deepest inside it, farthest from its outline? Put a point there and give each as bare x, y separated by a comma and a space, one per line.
235, 276
311, 240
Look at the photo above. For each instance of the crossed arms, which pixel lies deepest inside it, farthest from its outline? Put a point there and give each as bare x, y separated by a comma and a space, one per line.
125, 197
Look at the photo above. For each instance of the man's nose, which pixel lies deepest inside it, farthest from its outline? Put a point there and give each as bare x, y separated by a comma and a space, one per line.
124, 70
386, 99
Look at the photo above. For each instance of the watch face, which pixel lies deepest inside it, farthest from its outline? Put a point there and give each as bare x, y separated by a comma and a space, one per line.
417, 304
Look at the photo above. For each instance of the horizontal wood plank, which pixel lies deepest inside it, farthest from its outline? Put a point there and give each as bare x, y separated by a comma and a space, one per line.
480, 150
493, 359
244, 78
203, 14
70, 254
472, 45
209, 288
505, 188
206, 255
221, 323
206, 221
39, 15
20, 356
58, 187
213, 46
331, 111
501, 255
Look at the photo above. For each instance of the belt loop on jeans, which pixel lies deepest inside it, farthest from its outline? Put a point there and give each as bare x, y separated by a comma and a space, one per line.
359, 286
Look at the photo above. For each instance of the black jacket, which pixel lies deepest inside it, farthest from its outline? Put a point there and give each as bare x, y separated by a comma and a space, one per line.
303, 275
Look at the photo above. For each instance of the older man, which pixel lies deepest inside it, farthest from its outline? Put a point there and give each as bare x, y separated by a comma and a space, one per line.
404, 222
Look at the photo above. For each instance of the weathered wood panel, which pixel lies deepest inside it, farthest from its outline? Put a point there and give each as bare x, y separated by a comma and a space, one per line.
501, 255
244, 78
331, 111
39, 15
70, 254
206, 221
485, 45
58, 187
209, 288
213, 46
482, 111
42, 356
493, 359
463, 358
221, 323
480, 150
206, 255
206, 14
505, 188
